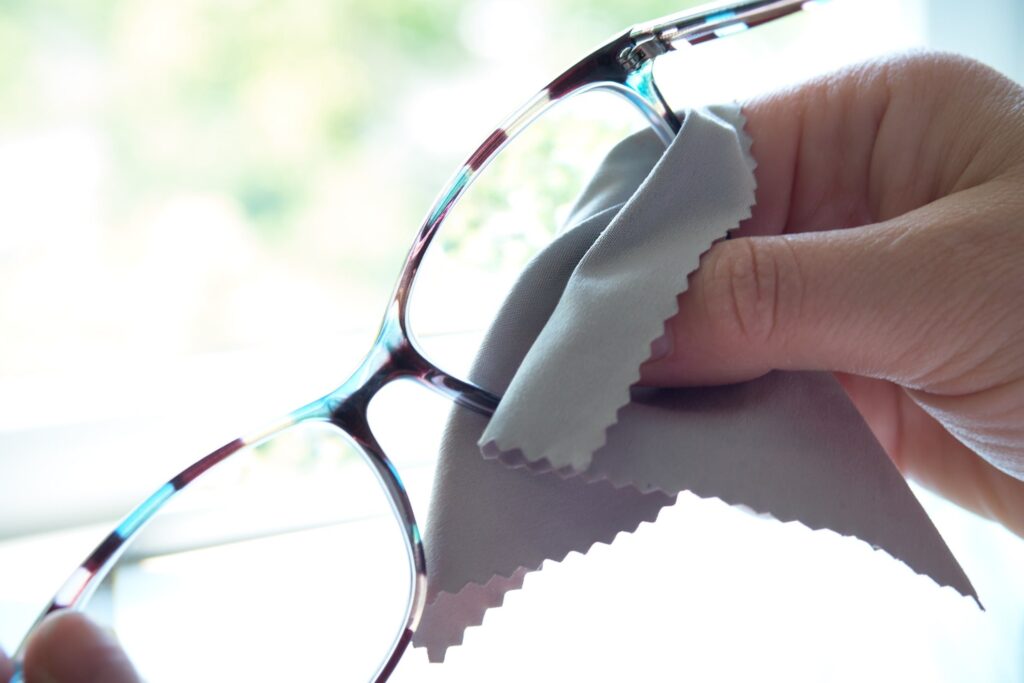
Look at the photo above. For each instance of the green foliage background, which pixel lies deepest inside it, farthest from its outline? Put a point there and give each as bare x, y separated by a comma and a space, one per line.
178, 95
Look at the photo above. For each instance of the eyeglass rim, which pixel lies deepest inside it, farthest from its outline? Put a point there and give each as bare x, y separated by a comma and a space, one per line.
623, 65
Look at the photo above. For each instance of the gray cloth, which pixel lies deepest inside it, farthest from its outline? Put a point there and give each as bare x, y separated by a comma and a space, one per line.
577, 374
788, 444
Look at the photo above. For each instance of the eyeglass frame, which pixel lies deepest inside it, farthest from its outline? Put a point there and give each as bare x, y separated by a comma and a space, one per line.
623, 65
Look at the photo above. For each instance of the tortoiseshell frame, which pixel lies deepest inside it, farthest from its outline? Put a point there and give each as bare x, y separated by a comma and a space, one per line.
624, 65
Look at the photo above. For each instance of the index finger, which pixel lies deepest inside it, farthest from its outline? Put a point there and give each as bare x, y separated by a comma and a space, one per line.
875, 141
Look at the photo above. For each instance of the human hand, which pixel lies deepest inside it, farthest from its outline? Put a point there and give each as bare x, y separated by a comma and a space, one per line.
887, 245
68, 648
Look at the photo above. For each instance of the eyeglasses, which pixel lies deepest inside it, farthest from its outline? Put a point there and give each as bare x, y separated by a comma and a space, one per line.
333, 427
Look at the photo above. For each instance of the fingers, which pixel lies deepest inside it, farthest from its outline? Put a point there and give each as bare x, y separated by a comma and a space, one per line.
919, 149
876, 140
69, 648
6, 668
928, 300
926, 452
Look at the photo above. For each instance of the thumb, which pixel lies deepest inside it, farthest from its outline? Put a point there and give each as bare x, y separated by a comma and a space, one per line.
69, 648
6, 667
909, 300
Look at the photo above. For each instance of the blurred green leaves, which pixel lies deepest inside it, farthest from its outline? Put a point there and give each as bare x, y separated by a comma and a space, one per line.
248, 161
235, 96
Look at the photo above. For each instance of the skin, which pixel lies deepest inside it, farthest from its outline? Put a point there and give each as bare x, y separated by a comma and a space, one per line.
887, 246
68, 648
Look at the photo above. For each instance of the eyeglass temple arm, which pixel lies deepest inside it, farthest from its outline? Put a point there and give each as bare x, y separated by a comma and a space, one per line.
708, 22
627, 60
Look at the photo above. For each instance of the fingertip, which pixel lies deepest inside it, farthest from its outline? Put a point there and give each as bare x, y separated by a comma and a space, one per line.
69, 648
6, 667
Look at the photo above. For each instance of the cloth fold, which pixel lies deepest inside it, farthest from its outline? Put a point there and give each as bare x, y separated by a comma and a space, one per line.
577, 373
584, 455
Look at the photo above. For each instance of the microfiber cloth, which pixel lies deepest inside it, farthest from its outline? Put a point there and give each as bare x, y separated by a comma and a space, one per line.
577, 452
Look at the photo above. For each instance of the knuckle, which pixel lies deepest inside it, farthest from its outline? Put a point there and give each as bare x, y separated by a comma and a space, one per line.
744, 285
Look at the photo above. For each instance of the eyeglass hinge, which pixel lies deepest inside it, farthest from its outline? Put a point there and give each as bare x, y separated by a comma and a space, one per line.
643, 50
